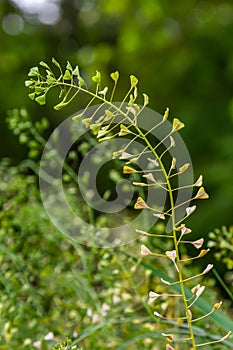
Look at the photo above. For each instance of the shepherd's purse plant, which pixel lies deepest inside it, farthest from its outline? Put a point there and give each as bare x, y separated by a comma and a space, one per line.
161, 171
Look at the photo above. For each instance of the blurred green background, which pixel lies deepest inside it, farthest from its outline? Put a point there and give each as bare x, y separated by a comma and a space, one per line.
182, 52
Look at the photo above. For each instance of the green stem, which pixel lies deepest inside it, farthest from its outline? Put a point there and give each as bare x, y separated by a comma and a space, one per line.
169, 187
181, 282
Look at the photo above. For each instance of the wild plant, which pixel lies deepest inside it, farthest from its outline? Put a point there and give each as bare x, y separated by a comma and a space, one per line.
156, 169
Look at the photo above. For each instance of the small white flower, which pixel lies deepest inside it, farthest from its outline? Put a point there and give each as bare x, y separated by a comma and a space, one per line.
104, 309
95, 319
37, 344
116, 299
49, 336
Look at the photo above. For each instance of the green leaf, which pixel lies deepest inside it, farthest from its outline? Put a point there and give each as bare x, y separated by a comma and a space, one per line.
67, 75
34, 71
41, 99
97, 78
115, 76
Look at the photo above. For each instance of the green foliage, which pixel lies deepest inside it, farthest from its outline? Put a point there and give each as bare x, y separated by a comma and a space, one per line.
123, 120
221, 243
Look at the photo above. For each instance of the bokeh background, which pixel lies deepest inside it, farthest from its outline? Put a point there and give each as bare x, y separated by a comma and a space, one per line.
182, 53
